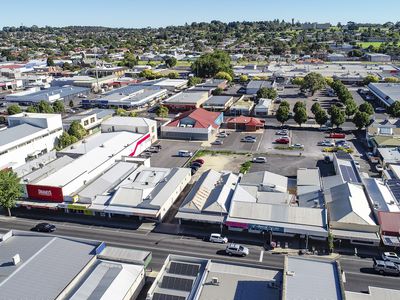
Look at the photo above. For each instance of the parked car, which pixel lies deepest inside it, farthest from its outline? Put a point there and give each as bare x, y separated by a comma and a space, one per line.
282, 141
336, 135
250, 137
195, 164
326, 143
218, 238
386, 267
193, 171
185, 153
158, 146
44, 227
222, 135
380, 109
297, 146
248, 140
340, 142
357, 164
154, 149
236, 249
324, 128
217, 142
327, 159
282, 132
391, 256
260, 159
200, 161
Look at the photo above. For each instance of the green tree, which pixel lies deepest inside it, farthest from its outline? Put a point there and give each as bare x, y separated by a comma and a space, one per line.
218, 91
361, 119
285, 103
313, 82
321, 117
337, 116
50, 62
45, 108
300, 115
223, 75
315, 108
268, 93
10, 189
71, 103
170, 62
173, 75
394, 110
194, 81
132, 114
77, 130
330, 242
65, 140
299, 105
130, 60
370, 78
121, 112
58, 106
14, 109
366, 107
149, 74
32, 109
392, 80
298, 81
243, 78
282, 114
351, 108
209, 64
162, 111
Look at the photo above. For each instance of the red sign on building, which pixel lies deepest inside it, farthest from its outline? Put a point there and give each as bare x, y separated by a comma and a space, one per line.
45, 193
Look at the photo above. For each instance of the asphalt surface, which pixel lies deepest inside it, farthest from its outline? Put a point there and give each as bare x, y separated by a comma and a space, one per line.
358, 272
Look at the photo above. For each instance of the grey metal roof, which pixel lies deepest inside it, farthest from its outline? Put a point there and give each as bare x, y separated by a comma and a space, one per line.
12, 134
257, 84
64, 91
130, 89
386, 92
218, 100
308, 177
312, 280
48, 264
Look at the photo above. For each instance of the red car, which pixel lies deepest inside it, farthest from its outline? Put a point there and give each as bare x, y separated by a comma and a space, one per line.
335, 135
282, 141
199, 160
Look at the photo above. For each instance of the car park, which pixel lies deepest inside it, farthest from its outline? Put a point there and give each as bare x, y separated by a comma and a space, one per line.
260, 159
236, 249
386, 267
218, 238
217, 142
44, 227
391, 256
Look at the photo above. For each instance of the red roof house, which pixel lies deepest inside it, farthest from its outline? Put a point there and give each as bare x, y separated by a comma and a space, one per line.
245, 123
389, 222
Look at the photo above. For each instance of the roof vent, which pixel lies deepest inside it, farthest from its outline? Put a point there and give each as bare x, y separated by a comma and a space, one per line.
16, 259
215, 281
290, 273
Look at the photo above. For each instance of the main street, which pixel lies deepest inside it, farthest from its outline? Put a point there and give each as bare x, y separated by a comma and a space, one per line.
358, 272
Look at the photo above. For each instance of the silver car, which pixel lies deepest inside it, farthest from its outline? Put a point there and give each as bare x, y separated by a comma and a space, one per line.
236, 249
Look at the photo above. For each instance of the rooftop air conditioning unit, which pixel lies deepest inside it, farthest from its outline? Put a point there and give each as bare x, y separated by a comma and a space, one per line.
215, 281
16, 259
290, 273
391, 202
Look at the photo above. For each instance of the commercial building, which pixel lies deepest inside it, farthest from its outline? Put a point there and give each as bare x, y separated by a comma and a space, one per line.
107, 71
47, 267
89, 119
309, 188
374, 293
262, 108
28, 136
65, 93
186, 101
209, 199
130, 96
84, 81
245, 123
244, 106
169, 84
198, 124
345, 167
193, 278
254, 85
218, 103
387, 93
377, 57
383, 133
131, 124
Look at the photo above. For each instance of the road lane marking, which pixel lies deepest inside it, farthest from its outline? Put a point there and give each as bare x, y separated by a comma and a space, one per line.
261, 256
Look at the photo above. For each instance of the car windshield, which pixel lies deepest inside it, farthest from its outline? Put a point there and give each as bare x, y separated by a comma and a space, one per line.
241, 248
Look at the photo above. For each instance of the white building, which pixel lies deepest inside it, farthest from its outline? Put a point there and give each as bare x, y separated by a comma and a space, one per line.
28, 136
262, 108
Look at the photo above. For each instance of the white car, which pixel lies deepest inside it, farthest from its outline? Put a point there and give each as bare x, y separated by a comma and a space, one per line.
218, 238
217, 142
391, 256
222, 135
282, 132
248, 140
260, 159
236, 249
298, 146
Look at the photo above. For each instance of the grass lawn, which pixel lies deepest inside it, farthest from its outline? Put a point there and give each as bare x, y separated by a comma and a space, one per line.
367, 44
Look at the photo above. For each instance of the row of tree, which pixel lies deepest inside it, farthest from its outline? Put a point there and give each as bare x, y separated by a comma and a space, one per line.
41, 107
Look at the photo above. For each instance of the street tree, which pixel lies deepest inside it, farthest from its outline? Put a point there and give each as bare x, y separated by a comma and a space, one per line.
315, 108
121, 112
313, 82
394, 110
223, 75
300, 116
10, 189
209, 64
321, 117
162, 111
298, 81
32, 109
173, 75
132, 114
65, 140
243, 78
268, 93
14, 109
366, 107
45, 108
299, 105
130, 60
351, 108
71, 103
50, 62
282, 114
361, 119
77, 130
194, 81
337, 116
218, 91
370, 79
58, 106
170, 61
285, 103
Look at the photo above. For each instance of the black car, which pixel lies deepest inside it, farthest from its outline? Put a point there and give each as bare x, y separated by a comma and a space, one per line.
193, 171
196, 164
44, 227
196, 168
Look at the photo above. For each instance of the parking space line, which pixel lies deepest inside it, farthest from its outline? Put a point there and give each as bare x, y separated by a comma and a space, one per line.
261, 256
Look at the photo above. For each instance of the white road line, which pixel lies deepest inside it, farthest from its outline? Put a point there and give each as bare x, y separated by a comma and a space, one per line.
261, 256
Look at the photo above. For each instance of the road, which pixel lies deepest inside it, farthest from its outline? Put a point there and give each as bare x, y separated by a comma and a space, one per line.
358, 271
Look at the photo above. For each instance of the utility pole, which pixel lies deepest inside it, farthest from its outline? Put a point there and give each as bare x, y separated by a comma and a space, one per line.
97, 72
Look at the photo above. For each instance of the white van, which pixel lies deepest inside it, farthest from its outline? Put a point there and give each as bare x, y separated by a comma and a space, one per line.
185, 153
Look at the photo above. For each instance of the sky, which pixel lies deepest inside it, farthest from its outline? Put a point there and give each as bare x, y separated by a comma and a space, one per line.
160, 13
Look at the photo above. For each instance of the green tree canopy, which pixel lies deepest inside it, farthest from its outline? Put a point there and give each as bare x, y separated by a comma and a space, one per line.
313, 82
394, 110
173, 75
321, 117
366, 107
209, 64
132, 114
351, 108
243, 78
361, 119
77, 130
285, 103
299, 105
392, 80
223, 75
282, 114
32, 109
170, 62
268, 93
130, 60
58, 106
45, 108
65, 140
121, 112
315, 108
10, 189
71, 103
162, 111
300, 115
337, 116
218, 91
50, 62
298, 81
370, 78
194, 81
14, 109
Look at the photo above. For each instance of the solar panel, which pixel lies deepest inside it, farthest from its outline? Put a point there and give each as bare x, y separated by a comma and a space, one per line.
343, 155
348, 174
184, 269
394, 186
177, 283
158, 296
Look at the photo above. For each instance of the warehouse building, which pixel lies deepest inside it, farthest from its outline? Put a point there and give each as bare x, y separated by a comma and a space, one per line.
218, 103
29, 135
38, 265
254, 85
65, 94
185, 101
387, 93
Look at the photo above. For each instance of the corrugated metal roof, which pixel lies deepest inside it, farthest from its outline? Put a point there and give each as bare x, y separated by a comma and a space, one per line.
15, 133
